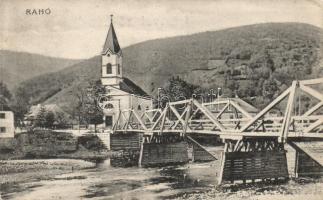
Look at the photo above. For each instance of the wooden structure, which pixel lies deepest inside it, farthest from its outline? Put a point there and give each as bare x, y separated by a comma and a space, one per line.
251, 140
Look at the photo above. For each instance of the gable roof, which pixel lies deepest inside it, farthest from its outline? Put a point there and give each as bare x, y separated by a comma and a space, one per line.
111, 42
128, 86
243, 104
34, 110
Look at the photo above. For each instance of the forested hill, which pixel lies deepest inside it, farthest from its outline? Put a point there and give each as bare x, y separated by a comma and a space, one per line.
255, 60
16, 67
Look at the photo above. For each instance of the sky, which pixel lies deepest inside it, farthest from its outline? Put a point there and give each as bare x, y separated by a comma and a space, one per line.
77, 28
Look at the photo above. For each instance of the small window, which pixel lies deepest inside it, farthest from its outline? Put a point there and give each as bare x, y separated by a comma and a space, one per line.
2, 115
118, 68
139, 107
108, 55
109, 68
2, 129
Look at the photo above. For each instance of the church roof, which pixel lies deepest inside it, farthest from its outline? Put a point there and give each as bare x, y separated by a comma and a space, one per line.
111, 42
128, 86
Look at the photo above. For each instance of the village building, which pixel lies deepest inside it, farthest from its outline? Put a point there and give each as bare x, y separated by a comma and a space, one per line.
231, 111
7, 123
120, 92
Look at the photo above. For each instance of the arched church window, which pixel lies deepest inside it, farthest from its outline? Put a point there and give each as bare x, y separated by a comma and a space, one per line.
109, 68
108, 55
108, 106
139, 107
103, 99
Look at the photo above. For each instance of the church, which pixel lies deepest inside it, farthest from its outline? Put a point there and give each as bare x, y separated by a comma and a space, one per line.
120, 92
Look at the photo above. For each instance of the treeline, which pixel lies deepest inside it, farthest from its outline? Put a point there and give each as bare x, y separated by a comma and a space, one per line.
85, 110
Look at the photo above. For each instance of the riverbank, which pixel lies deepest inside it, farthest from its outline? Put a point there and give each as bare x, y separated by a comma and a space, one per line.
15, 172
294, 189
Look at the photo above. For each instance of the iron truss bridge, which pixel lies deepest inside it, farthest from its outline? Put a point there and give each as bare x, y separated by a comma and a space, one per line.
295, 113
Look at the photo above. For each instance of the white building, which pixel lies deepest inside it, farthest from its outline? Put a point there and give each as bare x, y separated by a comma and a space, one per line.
7, 126
120, 92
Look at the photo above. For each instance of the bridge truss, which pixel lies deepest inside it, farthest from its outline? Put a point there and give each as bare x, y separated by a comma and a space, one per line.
295, 113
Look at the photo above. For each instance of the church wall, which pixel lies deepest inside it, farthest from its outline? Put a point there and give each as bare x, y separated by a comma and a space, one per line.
110, 81
140, 104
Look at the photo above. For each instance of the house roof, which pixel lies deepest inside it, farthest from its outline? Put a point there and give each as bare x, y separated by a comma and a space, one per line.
111, 42
248, 107
34, 110
215, 63
243, 104
130, 87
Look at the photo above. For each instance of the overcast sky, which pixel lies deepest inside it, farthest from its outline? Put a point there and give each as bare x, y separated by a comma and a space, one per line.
77, 28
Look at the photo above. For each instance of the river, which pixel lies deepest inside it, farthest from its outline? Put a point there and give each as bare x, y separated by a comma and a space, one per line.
107, 182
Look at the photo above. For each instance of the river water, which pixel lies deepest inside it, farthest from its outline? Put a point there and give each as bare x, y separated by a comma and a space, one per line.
107, 182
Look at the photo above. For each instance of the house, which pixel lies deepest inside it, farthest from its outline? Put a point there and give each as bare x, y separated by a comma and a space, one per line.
7, 125
232, 111
241, 72
120, 92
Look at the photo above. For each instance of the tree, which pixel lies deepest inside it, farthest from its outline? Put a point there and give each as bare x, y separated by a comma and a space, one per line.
40, 120
270, 88
79, 95
49, 119
5, 96
61, 120
178, 88
87, 110
93, 114
20, 105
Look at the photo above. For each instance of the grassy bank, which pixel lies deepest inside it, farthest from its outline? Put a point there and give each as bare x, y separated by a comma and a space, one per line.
44, 144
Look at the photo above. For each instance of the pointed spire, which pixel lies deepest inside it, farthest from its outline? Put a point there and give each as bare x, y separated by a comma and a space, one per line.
111, 42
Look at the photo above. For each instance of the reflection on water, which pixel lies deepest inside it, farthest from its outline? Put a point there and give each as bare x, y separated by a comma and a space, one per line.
106, 182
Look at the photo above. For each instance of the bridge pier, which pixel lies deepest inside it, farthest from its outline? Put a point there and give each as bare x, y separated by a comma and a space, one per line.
253, 159
163, 149
308, 159
155, 149
126, 147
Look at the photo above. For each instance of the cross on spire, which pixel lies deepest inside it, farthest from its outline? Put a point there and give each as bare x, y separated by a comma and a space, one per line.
111, 42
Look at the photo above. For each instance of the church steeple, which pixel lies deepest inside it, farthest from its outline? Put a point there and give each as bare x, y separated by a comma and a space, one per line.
111, 59
111, 42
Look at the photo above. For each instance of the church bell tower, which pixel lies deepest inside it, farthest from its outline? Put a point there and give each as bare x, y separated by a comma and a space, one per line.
111, 59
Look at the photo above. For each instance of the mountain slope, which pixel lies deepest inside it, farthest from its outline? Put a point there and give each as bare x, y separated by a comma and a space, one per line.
246, 59
19, 66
